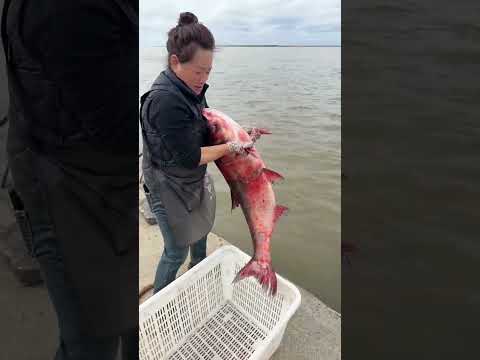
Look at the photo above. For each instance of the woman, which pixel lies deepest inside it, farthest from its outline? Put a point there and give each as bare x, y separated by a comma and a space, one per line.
179, 190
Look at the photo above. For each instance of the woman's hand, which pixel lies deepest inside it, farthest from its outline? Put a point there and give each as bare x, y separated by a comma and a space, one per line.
214, 152
239, 148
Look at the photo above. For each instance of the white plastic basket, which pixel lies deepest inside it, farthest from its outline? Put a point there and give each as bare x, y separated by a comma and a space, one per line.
202, 315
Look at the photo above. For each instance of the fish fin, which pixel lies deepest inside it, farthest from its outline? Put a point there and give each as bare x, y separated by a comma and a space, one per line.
235, 201
255, 133
272, 176
279, 211
262, 131
264, 273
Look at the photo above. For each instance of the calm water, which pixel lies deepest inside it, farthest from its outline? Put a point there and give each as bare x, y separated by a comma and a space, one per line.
294, 92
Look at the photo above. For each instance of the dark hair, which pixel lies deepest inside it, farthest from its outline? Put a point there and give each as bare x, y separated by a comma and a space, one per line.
185, 38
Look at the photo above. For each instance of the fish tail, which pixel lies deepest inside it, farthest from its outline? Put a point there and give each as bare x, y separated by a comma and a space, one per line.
263, 272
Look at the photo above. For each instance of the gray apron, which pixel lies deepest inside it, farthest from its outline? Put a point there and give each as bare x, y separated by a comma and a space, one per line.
188, 195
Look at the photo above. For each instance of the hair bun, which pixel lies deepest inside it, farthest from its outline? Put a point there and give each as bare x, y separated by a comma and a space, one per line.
187, 18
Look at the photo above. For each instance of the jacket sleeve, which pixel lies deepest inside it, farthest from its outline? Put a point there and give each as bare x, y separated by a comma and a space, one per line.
172, 123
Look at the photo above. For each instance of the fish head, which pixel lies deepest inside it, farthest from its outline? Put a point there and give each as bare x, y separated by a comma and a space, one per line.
221, 128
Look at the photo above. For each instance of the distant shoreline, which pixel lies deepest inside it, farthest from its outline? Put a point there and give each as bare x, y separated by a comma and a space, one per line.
296, 46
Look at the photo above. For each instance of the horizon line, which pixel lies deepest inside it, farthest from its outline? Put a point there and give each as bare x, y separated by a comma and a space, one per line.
261, 45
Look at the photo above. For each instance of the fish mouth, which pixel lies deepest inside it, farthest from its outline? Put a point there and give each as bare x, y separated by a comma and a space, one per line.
211, 125
206, 112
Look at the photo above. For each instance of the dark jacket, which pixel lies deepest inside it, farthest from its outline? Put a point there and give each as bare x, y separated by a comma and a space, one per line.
70, 75
73, 144
174, 128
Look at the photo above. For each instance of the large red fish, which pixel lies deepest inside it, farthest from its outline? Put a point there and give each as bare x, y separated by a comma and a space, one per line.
250, 184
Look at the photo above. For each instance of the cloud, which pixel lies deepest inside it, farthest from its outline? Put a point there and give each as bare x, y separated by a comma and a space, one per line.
295, 22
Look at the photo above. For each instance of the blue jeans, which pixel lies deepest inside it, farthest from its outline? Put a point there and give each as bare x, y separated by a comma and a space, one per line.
75, 341
173, 256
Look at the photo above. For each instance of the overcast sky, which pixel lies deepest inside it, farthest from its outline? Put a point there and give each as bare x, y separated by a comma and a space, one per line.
249, 22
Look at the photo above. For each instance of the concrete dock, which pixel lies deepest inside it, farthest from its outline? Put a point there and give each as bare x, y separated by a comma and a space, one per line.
314, 332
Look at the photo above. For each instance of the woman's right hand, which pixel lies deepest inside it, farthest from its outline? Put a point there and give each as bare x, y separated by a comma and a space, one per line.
235, 147
215, 152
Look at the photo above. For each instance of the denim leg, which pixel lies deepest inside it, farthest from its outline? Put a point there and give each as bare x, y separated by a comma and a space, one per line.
75, 342
198, 251
173, 256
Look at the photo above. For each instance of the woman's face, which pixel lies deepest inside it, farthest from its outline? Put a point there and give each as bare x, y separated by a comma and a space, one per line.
195, 72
